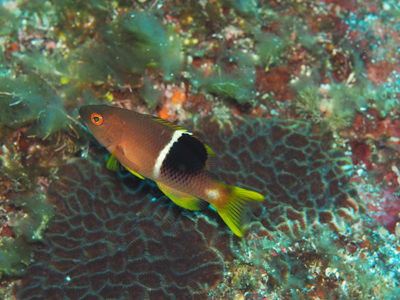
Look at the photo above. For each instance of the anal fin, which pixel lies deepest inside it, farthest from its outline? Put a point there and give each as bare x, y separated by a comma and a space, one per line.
182, 199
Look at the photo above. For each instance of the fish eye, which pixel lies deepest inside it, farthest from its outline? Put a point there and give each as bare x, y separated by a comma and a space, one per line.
96, 119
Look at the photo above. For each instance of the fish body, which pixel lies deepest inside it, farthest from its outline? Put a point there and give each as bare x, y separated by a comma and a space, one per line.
171, 156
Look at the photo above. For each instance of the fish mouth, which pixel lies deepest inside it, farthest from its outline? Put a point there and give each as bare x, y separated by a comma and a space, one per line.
83, 111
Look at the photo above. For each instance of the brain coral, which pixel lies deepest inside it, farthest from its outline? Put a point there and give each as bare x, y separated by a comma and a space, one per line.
302, 176
112, 240
117, 237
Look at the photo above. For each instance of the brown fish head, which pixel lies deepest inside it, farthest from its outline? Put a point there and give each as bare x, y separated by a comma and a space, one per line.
104, 122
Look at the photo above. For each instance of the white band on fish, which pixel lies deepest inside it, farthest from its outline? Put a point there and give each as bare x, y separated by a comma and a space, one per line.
157, 167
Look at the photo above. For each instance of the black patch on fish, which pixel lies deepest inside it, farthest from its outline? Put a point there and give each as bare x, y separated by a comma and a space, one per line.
186, 156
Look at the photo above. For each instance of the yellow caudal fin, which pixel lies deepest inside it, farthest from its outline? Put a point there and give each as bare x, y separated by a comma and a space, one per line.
234, 210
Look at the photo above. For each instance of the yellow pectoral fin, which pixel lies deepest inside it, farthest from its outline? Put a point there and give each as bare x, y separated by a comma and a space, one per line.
182, 199
114, 164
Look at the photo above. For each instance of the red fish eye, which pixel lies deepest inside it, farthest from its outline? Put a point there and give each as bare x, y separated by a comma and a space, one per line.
96, 119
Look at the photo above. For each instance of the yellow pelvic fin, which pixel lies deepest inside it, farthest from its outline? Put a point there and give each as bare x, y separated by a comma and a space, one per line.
182, 199
114, 164
133, 172
234, 210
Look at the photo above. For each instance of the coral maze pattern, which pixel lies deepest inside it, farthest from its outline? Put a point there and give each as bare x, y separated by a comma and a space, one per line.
116, 237
301, 175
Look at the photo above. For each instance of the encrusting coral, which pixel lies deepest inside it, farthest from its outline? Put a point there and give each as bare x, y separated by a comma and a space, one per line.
320, 265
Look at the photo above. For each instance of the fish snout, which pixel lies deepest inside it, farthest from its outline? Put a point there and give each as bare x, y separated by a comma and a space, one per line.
83, 112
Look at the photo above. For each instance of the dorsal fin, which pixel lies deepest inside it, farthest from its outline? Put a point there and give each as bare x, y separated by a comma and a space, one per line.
166, 123
210, 153
211, 158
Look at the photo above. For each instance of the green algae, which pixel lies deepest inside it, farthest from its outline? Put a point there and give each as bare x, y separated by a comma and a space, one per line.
270, 47
38, 85
129, 44
246, 8
30, 83
238, 85
28, 224
8, 23
149, 93
37, 214
15, 256
28, 99
109, 44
